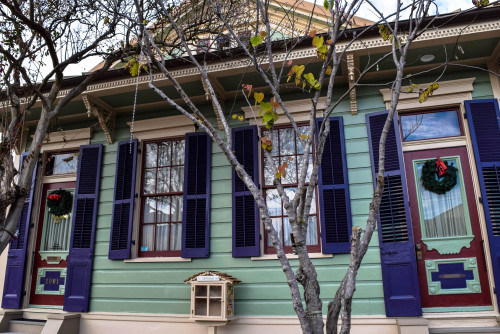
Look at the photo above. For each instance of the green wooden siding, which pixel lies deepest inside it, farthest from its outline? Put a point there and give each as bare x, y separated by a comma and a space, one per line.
158, 287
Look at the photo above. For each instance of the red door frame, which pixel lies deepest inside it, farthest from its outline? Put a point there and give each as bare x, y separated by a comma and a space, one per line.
476, 248
40, 299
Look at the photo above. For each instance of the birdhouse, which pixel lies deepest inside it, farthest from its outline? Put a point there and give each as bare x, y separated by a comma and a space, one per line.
212, 296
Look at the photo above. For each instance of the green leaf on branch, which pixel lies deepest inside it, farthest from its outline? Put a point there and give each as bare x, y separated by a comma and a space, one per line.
256, 40
258, 97
326, 4
425, 93
313, 83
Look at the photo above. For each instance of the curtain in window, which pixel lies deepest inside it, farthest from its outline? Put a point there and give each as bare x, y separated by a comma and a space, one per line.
443, 215
57, 233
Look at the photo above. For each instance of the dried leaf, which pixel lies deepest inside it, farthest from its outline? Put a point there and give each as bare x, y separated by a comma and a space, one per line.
312, 33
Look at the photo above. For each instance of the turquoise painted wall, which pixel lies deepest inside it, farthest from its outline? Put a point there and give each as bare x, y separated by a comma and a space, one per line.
158, 287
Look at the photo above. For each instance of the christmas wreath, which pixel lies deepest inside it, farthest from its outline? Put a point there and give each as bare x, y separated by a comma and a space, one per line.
60, 202
446, 180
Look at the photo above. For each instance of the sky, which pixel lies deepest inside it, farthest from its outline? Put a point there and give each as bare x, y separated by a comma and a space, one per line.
386, 6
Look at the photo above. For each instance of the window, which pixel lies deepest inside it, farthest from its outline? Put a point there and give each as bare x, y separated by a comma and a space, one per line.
287, 149
203, 45
61, 163
162, 198
437, 124
223, 42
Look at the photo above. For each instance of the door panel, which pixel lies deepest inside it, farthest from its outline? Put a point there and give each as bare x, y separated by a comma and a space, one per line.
51, 252
450, 256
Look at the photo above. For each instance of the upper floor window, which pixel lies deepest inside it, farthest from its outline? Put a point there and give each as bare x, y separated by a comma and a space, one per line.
287, 149
162, 198
61, 163
428, 125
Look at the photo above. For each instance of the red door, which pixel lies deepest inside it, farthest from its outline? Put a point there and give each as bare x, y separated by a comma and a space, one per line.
450, 259
51, 252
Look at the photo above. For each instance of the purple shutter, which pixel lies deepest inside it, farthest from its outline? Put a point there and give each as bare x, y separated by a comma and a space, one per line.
484, 124
246, 222
196, 208
16, 258
123, 201
333, 189
81, 250
397, 252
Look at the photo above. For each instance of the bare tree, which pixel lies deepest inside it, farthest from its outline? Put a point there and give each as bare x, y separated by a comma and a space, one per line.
40, 41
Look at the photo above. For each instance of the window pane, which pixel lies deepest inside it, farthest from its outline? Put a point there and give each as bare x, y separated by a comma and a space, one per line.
287, 141
273, 202
65, 163
313, 205
443, 215
178, 152
277, 226
287, 230
175, 236
163, 209
290, 172
162, 231
148, 237
149, 210
309, 167
430, 125
176, 209
163, 181
149, 181
268, 171
312, 231
151, 154
164, 150
177, 179
303, 131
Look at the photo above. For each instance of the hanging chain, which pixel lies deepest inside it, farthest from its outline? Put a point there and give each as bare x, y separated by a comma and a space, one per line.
135, 103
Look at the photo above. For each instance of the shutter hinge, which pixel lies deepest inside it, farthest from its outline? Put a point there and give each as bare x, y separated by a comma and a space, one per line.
136, 195
139, 151
24, 292
495, 290
481, 200
32, 225
465, 115
132, 242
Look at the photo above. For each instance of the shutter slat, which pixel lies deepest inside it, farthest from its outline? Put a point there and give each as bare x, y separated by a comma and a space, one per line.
397, 251
123, 202
80, 258
196, 205
246, 222
16, 260
483, 117
333, 189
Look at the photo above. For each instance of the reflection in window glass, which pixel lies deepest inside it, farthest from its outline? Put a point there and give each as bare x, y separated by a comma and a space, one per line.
286, 148
63, 163
430, 125
162, 186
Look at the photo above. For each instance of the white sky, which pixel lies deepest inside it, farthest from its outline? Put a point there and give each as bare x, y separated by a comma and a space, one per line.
386, 6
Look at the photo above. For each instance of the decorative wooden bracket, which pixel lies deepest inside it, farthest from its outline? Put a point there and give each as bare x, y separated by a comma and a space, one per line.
351, 73
104, 114
219, 93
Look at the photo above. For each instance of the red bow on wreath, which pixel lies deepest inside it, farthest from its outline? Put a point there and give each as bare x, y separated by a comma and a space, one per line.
55, 197
440, 168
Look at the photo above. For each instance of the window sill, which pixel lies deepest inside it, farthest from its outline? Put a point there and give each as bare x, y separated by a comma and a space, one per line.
158, 259
290, 256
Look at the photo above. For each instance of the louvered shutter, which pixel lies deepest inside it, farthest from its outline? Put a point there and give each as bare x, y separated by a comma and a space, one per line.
333, 190
16, 258
397, 252
483, 118
196, 208
246, 222
123, 201
81, 252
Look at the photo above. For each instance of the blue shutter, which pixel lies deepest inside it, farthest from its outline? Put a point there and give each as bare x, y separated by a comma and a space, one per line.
81, 250
246, 222
16, 258
196, 208
397, 252
333, 189
483, 117
123, 201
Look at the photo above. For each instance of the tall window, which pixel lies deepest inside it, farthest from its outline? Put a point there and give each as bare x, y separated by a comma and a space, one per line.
161, 195
287, 149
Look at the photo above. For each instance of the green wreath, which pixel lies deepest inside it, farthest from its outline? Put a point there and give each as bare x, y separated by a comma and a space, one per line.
60, 202
441, 185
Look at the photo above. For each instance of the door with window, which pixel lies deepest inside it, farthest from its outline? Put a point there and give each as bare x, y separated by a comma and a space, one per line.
449, 247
